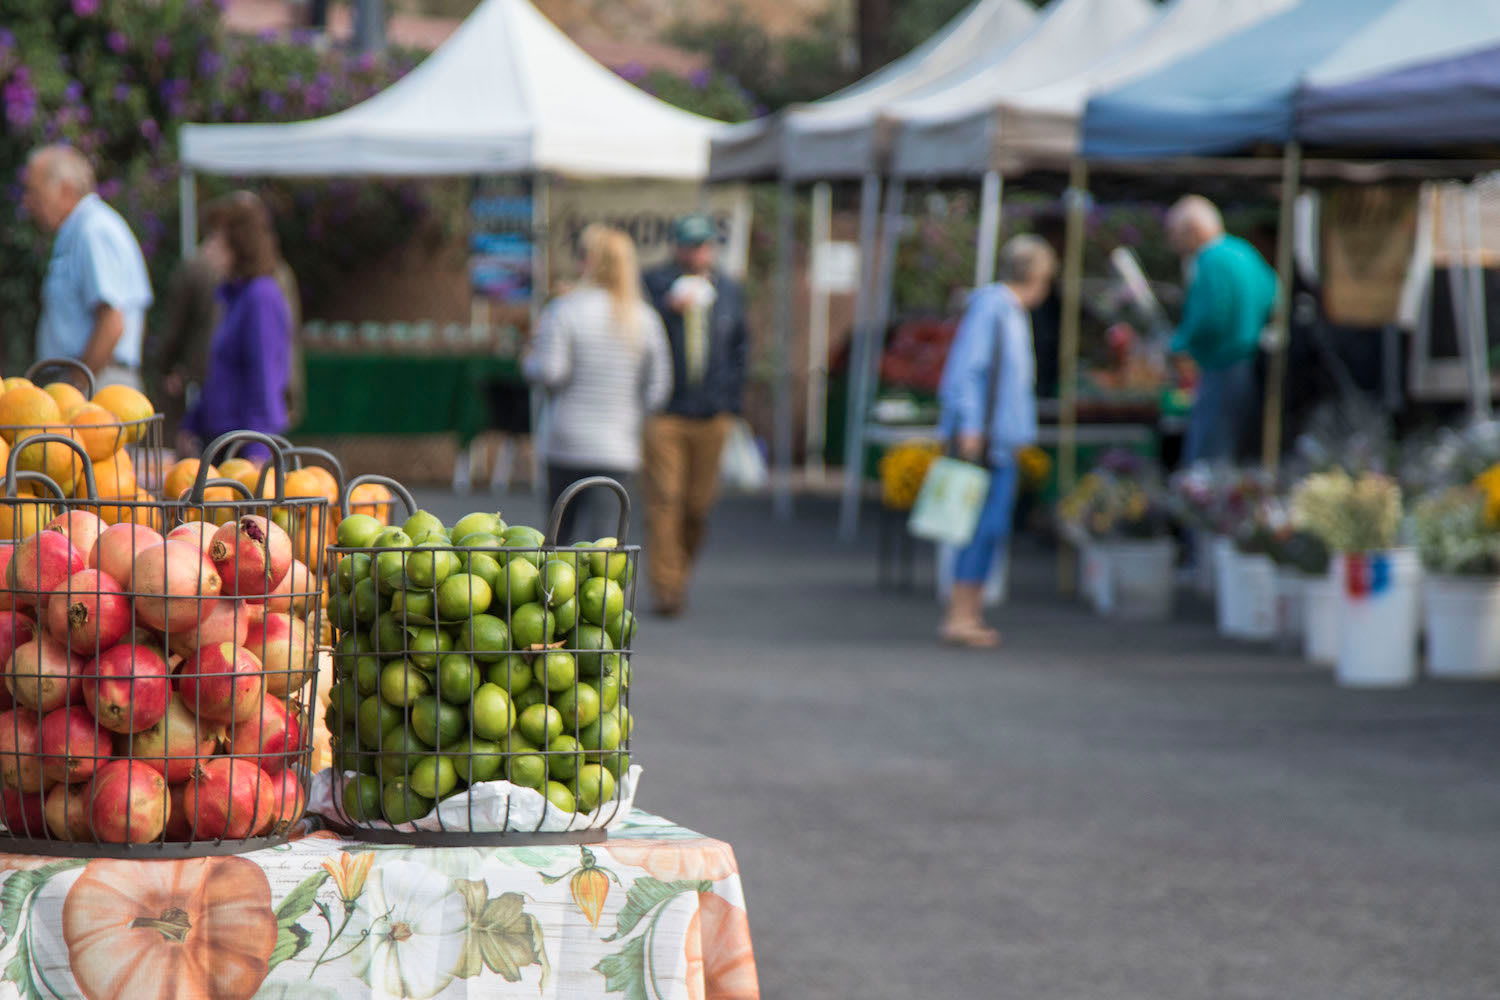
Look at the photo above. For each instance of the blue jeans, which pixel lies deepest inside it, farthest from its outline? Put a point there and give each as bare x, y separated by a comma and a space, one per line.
973, 562
1226, 404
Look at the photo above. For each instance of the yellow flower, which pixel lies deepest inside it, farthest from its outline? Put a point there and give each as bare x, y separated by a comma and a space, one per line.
1035, 465
902, 471
349, 874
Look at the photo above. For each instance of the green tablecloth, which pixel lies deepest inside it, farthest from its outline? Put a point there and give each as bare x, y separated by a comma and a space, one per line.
401, 393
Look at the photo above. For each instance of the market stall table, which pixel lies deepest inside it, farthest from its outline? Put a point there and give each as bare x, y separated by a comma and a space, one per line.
655, 911
355, 393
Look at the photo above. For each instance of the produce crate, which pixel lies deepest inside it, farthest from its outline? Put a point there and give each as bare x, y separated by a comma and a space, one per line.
482, 691
157, 687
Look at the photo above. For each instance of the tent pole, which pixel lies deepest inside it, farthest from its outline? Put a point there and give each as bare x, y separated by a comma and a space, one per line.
1479, 352
866, 379
817, 329
869, 225
786, 218
1291, 173
1075, 204
990, 193
187, 204
539, 286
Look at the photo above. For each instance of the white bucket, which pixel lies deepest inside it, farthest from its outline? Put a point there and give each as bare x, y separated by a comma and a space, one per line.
1321, 611
1226, 579
1097, 584
1463, 626
1378, 594
1141, 579
1290, 604
1255, 618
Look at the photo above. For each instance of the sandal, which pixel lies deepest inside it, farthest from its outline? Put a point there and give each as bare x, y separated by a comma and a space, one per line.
975, 636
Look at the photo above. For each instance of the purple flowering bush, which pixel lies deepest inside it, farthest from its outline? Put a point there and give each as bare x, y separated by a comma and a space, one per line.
704, 91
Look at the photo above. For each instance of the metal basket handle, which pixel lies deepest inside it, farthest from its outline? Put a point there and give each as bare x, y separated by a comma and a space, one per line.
554, 524
28, 476
233, 484
45, 439
233, 451
78, 368
278, 460
370, 477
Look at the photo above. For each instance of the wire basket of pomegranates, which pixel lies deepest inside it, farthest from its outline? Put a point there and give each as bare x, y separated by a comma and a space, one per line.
159, 671
482, 690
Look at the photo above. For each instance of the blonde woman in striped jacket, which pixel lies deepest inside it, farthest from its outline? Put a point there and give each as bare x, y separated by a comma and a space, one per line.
601, 353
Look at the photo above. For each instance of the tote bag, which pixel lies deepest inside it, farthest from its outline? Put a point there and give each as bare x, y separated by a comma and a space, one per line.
948, 506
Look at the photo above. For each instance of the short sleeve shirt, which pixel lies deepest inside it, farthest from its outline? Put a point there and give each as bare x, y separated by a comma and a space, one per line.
95, 261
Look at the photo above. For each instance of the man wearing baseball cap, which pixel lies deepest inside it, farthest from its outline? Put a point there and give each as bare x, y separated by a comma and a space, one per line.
704, 315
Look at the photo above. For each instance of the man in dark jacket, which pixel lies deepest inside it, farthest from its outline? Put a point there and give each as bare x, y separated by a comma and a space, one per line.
704, 315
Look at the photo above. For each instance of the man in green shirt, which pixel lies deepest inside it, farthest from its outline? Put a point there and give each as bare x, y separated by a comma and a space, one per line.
1231, 292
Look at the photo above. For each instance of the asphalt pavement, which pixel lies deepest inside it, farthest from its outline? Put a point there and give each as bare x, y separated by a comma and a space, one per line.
1094, 811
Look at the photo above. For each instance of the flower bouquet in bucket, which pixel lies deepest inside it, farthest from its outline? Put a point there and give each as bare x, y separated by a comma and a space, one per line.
1458, 537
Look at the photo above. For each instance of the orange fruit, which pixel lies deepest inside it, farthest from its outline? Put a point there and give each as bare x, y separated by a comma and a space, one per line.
147, 513
20, 519
8, 384
328, 486
98, 430
67, 396
24, 407
128, 405
52, 458
241, 470
181, 476
115, 476
373, 499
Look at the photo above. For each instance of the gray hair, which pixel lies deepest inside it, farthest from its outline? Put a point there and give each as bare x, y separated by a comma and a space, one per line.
1197, 213
1023, 258
62, 164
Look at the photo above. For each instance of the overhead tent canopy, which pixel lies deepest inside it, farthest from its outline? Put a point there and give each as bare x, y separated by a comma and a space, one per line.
1244, 91
949, 131
508, 93
835, 137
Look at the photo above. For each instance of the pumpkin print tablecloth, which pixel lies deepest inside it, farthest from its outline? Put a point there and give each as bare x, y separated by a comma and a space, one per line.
655, 913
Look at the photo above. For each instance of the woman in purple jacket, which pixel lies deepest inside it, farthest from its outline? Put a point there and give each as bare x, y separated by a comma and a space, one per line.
249, 361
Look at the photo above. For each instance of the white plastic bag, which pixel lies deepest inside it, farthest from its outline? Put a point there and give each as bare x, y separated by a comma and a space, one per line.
742, 468
948, 507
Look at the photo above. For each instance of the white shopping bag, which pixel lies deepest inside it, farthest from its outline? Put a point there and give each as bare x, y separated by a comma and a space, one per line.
948, 507
742, 468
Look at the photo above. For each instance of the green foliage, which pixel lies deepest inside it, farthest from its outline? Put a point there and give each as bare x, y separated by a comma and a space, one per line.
706, 92
774, 71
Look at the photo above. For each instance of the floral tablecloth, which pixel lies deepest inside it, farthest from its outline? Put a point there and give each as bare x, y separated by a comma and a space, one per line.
655, 913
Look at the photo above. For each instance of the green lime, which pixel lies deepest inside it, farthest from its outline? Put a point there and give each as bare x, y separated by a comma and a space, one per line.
388, 636
605, 564
608, 690
366, 602
563, 757
430, 564
426, 644
481, 540
361, 798
359, 531
343, 703
422, 523
528, 769
479, 760
559, 795
437, 723
486, 636
600, 600
341, 611
484, 566
540, 724
617, 763
601, 735
376, 718
414, 607
559, 581
433, 777
457, 678
367, 674
627, 721
531, 625
555, 671
535, 694
401, 803
400, 753
526, 541
578, 705
352, 645
402, 683
519, 583
516, 743
390, 571
393, 538
621, 630
591, 638
566, 616
463, 595
491, 713
475, 523
511, 675
593, 787
352, 568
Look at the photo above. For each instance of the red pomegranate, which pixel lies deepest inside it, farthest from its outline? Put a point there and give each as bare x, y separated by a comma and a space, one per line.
292, 594
227, 620
285, 653
222, 682
73, 746
199, 534
130, 803
127, 688
20, 739
15, 630
66, 810
288, 800
252, 555
229, 798
80, 527
175, 745
44, 674
23, 813
179, 820
273, 739
118, 545
40, 565
172, 581
91, 614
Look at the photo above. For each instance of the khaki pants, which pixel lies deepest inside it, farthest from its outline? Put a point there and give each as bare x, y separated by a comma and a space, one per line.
681, 474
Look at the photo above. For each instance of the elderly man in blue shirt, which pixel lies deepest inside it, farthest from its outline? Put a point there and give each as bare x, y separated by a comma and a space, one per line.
988, 398
96, 292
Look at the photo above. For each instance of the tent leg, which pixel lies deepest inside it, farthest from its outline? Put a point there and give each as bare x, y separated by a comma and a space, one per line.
817, 330
990, 194
869, 224
785, 220
187, 204
1479, 350
539, 285
1291, 173
1075, 204
863, 381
